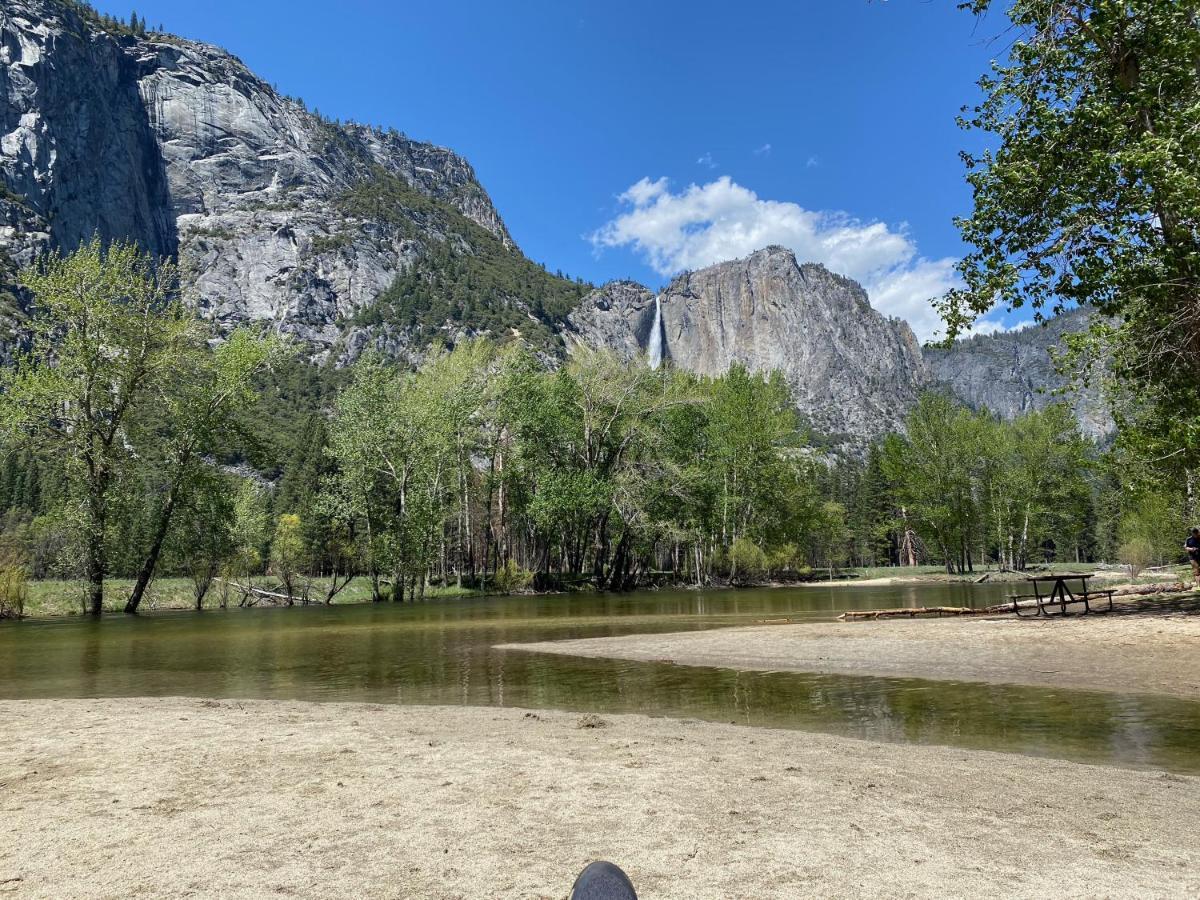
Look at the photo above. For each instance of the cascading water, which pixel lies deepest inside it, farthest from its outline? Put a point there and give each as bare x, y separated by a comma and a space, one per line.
654, 349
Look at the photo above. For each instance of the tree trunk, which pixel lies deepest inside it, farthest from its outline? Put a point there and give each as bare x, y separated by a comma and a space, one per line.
94, 602
202, 584
95, 564
151, 562
1024, 542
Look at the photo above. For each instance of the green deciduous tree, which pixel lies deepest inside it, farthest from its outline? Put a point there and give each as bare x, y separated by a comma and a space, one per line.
384, 440
1092, 196
201, 540
935, 468
106, 328
122, 394
250, 534
287, 555
197, 408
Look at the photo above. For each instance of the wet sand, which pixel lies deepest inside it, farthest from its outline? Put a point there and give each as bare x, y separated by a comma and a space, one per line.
183, 797
1150, 653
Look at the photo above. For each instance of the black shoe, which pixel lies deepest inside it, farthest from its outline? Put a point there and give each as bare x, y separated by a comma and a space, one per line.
603, 881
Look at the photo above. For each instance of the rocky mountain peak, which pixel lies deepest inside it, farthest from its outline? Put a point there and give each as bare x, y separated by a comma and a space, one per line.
854, 372
349, 237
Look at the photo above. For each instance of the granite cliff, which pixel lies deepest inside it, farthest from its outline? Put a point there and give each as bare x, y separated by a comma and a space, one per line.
1013, 372
278, 214
348, 237
854, 372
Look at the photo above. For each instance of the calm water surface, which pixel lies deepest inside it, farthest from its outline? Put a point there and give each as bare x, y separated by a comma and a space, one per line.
442, 653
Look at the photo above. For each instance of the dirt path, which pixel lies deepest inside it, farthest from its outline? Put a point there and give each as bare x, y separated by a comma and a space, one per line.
173, 798
1118, 653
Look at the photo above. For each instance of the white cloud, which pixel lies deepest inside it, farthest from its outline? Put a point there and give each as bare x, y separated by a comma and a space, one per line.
706, 160
764, 150
812, 163
704, 224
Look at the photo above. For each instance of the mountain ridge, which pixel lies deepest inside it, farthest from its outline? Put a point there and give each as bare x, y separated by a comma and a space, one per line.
853, 371
348, 237
176, 145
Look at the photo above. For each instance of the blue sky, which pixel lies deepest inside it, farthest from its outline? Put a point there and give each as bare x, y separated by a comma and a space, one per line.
630, 139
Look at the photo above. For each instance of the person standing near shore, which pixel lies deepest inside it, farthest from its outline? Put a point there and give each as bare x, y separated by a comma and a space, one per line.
1192, 546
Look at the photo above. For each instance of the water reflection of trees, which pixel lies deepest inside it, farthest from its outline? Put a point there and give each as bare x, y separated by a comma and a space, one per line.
443, 653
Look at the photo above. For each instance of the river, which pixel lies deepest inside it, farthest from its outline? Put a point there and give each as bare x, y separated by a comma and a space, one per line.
443, 653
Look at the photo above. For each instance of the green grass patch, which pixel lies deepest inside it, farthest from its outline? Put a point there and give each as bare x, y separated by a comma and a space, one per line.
65, 598
54, 597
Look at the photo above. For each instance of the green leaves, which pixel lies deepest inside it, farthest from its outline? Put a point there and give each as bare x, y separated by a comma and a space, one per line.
106, 327
483, 453
1093, 195
972, 482
121, 390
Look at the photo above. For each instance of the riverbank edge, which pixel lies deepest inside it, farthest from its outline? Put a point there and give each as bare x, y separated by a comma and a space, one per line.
172, 600
365, 800
1149, 646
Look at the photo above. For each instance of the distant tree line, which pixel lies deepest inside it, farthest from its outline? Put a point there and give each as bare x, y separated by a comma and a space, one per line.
135, 27
138, 447
1087, 194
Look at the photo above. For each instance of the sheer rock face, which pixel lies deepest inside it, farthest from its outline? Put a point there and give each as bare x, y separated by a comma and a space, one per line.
177, 145
853, 372
77, 152
1013, 373
618, 315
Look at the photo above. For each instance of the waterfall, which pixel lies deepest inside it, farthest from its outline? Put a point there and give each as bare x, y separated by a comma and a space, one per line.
654, 350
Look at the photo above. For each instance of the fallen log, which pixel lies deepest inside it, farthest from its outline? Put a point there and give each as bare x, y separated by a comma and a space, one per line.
1176, 587
273, 596
915, 611
906, 612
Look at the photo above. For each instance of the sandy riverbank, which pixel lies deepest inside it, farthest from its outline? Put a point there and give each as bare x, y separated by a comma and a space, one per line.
176, 797
1111, 578
1143, 653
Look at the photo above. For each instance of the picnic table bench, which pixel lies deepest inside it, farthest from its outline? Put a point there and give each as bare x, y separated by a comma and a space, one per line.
1060, 596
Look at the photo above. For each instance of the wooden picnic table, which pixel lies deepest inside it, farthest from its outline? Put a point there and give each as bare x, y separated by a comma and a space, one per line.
1061, 595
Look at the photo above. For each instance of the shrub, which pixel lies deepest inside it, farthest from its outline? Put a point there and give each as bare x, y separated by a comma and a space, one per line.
783, 558
1137, 553
746, 559
14, 589
510, 578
